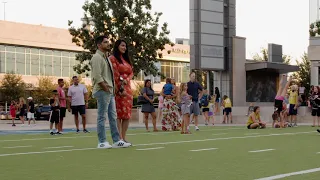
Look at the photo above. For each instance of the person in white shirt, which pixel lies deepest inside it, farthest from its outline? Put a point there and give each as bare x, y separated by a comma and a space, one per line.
78, 102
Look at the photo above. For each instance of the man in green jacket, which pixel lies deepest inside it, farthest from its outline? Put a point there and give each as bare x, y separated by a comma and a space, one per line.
103, 91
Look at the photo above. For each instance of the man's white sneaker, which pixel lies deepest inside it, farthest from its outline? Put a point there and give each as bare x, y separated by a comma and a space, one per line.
105, 145
121, 144
196, 128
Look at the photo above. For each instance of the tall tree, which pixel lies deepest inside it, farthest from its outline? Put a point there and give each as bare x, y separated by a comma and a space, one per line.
264, 56
303, 75
131, 20
12, 87
43, 91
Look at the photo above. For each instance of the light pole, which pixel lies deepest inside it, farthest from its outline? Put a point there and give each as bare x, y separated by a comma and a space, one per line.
4, 10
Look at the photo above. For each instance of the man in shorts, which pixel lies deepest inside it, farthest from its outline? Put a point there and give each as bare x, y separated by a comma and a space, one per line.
78, 102
194, 90
63, 103
30, 114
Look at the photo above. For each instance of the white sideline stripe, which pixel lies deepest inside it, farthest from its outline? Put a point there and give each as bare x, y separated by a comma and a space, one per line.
280, 176
13, 147
147, 149
131, 134
197, 150
262, 150
43, 152
162, 143
74, 137
220, 134
225, 138
251, 134
37, 139
58, 147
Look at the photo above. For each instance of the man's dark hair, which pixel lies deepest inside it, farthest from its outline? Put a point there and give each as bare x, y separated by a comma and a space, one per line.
74, 77
100, 39
60, 80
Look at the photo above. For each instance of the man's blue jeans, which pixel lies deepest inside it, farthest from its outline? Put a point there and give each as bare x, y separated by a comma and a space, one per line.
106, 105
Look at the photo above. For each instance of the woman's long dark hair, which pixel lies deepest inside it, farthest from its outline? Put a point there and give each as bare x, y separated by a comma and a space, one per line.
216, 91
145, 83
117, 53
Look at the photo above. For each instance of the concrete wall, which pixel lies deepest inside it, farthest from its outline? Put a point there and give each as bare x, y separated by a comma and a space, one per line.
314, 57
239, 71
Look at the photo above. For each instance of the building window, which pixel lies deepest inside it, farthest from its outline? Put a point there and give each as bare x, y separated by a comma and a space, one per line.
57, 66
48, 65
42, 62
65, 67
35, 64
11, 49
20, 64
20, 49
2, 48
10, 62
2, 62
28, 62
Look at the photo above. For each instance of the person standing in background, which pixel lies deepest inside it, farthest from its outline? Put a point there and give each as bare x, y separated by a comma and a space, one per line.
55, 107
293, 108
148, 108
30, 114
13, 108
217, 100
78, 100
63, 103
194, 90
23, 109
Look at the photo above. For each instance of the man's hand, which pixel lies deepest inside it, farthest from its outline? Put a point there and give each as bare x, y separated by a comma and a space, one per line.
106, 89
69, 109
86, 105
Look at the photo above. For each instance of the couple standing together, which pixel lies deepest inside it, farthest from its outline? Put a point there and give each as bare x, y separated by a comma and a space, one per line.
111, 87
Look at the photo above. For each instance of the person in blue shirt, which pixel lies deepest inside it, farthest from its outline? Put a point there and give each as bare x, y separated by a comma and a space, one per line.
195, 90
168, 87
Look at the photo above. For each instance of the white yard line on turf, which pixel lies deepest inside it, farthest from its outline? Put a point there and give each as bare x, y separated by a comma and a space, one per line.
225, 138
37, 139
43, 152
280, 176
262, 150
251, 134
58, 147
148, 149
13, 147
219, 134
164, 143
209, 149
74, 137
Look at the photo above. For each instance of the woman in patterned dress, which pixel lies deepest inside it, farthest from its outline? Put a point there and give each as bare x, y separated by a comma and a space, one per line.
123, 73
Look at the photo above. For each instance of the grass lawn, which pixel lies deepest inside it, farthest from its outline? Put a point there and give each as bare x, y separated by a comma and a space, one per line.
219, 153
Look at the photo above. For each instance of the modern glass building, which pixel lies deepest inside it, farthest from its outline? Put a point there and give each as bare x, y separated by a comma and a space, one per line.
36, 50
31, 61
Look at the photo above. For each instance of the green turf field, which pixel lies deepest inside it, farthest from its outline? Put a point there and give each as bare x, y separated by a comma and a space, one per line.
172, 156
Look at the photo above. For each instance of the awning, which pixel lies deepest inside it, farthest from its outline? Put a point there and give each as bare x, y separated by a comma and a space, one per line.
273, 66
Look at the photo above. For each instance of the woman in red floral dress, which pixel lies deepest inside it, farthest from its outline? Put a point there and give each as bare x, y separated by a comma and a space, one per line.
123, 73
